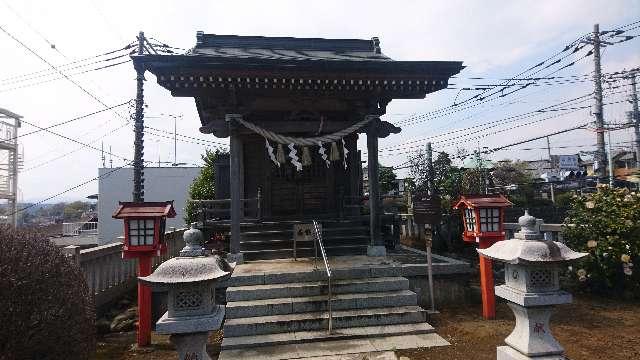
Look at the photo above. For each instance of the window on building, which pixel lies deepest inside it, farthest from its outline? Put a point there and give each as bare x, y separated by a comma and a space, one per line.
489, 220
141, 232
470, 219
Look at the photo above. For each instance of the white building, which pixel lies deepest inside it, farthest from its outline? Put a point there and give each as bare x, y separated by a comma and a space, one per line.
160, 184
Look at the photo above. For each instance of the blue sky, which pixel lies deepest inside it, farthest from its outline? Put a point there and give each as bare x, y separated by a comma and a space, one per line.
494, 39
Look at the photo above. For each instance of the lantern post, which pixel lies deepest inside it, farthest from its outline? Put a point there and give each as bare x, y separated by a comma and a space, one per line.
144, 228
483, 219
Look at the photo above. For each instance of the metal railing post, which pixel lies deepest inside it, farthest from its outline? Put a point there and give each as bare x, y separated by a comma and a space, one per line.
328, 270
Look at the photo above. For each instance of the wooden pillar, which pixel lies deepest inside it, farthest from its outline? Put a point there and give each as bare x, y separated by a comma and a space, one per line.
486, 284
143, 337
376, 247
235, 186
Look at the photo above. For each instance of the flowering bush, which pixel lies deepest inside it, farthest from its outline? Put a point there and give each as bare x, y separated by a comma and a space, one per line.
606, 224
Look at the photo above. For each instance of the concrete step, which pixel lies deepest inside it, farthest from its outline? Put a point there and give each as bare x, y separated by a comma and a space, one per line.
260, 325
316, 288
326, 231
241, 342
275, 243
286, 253
281, 306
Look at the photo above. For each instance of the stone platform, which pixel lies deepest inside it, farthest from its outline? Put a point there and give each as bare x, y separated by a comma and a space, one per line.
277, 309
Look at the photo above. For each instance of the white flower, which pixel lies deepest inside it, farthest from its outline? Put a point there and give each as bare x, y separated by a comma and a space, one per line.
592, 243
590, 204
625, 258
627, 269
582, 273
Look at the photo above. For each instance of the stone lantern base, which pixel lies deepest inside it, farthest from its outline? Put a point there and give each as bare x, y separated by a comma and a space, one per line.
192, 346
508, 353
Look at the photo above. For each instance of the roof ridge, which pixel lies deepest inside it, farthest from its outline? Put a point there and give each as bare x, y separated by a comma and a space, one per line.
287, 43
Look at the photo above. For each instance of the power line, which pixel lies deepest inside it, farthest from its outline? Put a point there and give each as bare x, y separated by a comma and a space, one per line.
510, 119
59, 78
186, 136
73, 140
55, 68
51, 73
46, 162
71, 120
71, 188
64, 66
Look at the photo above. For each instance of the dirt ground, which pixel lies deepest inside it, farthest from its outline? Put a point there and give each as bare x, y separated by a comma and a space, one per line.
590, 328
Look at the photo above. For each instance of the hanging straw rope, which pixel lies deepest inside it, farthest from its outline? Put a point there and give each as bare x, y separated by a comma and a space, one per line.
282, 139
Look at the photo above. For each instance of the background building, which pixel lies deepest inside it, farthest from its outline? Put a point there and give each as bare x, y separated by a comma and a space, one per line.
160, 184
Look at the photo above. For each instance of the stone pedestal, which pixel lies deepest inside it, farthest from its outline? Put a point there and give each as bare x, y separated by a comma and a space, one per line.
191, 346
507, 353
532, 335
376, 251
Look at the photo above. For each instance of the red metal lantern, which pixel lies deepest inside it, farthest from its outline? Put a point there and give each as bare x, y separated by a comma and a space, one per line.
483, 219
144, 227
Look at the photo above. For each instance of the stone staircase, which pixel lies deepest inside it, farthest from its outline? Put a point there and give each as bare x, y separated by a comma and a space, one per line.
274, 239
291, 308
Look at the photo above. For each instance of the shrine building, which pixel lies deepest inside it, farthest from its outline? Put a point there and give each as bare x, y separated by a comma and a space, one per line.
293, 109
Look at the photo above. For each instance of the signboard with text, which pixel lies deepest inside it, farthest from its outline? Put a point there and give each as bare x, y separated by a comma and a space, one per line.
426, 209
568, 162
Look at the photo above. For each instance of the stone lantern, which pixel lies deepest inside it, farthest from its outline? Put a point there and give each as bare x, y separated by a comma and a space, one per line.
532, 289
191, 310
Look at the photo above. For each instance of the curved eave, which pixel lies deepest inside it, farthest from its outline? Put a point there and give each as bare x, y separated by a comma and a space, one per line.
177, 63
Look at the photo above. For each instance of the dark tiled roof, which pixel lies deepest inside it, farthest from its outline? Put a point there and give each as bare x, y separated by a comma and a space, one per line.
287, 48
145, 209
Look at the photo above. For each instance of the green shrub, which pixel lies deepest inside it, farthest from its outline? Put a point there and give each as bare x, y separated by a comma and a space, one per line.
606, 224
204, 186
46, 306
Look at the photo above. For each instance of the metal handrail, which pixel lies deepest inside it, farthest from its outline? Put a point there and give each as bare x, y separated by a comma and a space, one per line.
326, 266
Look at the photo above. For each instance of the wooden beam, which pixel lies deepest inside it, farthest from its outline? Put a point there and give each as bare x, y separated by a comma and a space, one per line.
235, 186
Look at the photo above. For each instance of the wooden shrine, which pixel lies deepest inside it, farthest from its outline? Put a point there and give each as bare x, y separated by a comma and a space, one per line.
293, 109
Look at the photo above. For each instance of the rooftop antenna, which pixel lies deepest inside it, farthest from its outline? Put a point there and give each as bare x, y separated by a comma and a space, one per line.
102, 154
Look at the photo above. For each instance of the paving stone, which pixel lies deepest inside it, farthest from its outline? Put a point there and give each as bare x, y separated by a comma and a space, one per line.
408, 342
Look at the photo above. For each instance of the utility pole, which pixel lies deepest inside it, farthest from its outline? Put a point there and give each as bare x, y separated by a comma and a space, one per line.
429, 243
635, 116
138, 144
430, 184
611, 178
553, 196
597, 110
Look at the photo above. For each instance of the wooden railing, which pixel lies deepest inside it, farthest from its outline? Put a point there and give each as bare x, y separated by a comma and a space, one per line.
108, 275
409, 229
220, 209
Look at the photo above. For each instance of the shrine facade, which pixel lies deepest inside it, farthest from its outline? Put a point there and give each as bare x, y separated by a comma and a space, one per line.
293, 109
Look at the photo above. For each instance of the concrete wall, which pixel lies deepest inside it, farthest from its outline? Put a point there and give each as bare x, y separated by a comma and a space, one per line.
161, 184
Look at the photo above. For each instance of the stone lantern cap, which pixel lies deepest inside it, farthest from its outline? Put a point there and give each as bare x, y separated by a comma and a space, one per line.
529, 247
189, 270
